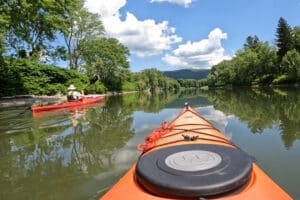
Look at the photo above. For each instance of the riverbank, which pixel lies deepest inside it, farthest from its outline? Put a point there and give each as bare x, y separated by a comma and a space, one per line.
30, 100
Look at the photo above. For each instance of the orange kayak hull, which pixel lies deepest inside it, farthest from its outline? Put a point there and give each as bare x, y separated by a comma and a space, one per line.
186, 129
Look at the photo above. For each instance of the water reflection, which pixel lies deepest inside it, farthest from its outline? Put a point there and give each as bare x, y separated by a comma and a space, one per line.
50, 156
262, 109
79, 154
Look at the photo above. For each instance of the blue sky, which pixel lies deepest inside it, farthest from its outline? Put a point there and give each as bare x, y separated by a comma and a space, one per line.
177, 34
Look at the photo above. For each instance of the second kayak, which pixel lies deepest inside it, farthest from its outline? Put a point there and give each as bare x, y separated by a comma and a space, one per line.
84, 101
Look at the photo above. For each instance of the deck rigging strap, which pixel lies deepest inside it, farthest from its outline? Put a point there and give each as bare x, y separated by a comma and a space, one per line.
151, 139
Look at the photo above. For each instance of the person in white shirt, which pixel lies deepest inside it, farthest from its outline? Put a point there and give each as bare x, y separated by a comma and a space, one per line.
73, 95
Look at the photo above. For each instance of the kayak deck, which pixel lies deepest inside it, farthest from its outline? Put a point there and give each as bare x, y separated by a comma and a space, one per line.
190, 159
259, 187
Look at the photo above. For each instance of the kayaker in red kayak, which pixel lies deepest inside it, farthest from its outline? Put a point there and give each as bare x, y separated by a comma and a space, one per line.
74, 95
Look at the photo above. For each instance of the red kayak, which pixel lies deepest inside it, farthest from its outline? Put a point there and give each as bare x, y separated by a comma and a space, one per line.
84, 101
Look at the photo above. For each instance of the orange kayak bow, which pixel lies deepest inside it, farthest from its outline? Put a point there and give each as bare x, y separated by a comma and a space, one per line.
190, 159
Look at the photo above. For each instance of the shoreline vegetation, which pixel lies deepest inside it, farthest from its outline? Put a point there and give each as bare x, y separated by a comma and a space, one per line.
260, 64
97, 64
31, 100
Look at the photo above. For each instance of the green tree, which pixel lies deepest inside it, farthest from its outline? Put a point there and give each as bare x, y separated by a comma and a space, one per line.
266, 67
153, 80
296, 34
106, 59
141, 81
251, 42
33, 24
284, 38
222, 74
171, 84
255, 64
4, 24
246, 65
81, 27
26, 76
291, 65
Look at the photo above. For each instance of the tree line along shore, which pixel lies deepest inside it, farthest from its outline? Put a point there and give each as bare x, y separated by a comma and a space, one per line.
31, 46
32, 100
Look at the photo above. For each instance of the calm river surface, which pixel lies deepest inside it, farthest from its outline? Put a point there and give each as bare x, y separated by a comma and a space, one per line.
79, 154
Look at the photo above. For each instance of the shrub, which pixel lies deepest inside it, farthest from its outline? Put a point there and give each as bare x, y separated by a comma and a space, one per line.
54, 89
23, 76
263, 80
96, 88
128, 86
282, 79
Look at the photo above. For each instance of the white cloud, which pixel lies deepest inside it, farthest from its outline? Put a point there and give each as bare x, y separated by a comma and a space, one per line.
201, 54
217, 118
142, 37
105, 8
184, 3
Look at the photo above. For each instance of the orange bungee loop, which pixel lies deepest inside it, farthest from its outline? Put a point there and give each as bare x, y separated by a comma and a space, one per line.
150, 140
146, 146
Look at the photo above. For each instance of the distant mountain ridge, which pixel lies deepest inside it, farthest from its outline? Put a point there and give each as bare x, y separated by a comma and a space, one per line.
187, 73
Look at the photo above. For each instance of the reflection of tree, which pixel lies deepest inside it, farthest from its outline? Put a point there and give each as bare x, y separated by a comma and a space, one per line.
53, 156
194, 97
60, 153
57, 153
109, 130
290, 131
290, 117
148, 102
158, 101
262, 109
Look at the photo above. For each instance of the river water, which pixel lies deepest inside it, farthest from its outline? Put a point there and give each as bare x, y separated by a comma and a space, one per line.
80, 153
